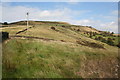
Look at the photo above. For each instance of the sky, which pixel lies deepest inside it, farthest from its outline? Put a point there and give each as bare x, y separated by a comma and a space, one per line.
100, 15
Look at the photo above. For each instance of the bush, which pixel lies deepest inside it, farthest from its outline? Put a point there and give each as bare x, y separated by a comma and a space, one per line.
110, 41
63, 26
99, 38
53, 28
103, 40
90, 33
96, 38
78, 30
90, 36
94, 33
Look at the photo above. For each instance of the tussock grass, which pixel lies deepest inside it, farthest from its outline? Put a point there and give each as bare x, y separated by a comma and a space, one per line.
37, 59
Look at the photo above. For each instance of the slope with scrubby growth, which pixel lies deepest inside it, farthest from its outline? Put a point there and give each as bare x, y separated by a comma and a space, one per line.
57, 50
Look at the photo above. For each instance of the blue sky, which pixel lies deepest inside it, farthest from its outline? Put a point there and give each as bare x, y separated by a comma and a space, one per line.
93, 8
101, 15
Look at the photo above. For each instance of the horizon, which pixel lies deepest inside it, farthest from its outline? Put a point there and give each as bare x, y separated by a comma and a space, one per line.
59, 21
100, 15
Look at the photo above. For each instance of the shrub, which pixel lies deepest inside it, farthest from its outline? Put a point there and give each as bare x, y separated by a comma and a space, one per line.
63, 26
99, 38
62, 40
78, 30
96, 38
53, 28
94, 33
103, 40
90, 36
110, 41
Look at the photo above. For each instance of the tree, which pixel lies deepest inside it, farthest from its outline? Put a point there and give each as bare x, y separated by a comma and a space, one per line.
112, 33
5, 23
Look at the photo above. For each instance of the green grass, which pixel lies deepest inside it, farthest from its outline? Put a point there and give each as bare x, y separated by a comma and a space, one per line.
36, 59
0, 60
32, 58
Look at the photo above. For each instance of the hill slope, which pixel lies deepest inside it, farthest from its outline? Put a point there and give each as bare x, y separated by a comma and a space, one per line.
64, 24
57, 50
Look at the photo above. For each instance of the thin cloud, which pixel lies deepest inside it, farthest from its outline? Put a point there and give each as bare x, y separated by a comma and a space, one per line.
15, 13
100, 25
115, 12
73, 1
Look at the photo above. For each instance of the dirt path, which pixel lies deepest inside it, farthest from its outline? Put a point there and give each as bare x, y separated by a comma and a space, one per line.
30, 37
40, 38
24, 30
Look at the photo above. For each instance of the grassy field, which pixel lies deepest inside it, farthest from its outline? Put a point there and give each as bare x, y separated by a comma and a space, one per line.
69, 54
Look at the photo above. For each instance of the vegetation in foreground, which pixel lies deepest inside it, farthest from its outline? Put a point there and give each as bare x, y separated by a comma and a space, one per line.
38, 59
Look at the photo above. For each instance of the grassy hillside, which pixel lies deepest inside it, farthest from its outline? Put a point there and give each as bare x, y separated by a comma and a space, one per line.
36, 22
57, 50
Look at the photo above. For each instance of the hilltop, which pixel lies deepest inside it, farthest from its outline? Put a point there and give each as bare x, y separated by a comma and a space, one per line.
36, 22
58, 50
82, 28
